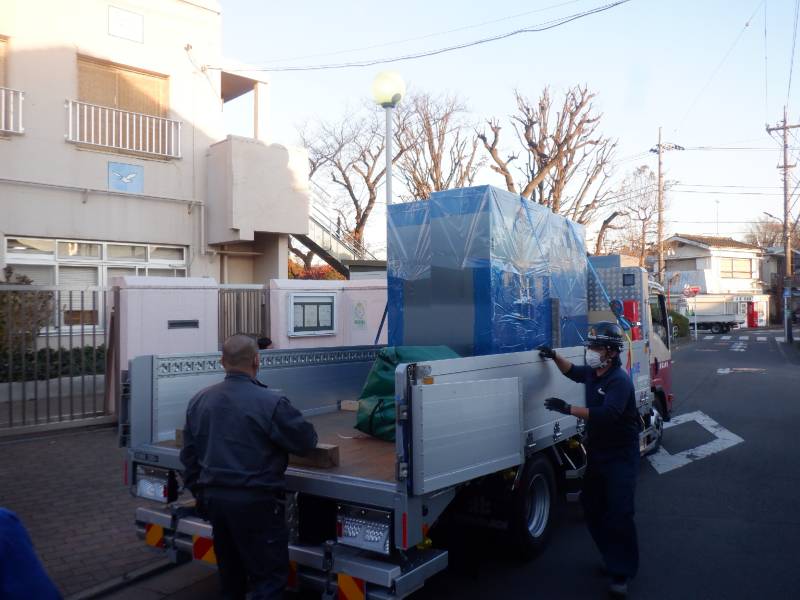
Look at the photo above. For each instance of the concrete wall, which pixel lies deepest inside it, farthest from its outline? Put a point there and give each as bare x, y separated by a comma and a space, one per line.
360, 306
148, 303
256, 187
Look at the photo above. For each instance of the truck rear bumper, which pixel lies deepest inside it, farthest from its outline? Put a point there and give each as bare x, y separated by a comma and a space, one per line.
189, 537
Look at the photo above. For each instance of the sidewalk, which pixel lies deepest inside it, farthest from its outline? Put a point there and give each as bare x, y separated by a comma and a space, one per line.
67, 489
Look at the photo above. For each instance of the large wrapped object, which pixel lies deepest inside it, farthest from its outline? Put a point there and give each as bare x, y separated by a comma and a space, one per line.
484, 271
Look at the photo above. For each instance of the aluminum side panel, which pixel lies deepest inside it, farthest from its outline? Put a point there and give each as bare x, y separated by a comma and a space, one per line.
464, 430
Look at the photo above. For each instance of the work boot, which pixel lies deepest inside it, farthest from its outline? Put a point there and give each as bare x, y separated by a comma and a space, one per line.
618, 588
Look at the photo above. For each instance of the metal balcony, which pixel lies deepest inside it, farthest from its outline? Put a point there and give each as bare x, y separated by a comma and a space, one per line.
11, 111
122, 130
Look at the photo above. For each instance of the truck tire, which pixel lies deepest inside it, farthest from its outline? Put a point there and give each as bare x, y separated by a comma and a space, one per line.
716, 328
533, 507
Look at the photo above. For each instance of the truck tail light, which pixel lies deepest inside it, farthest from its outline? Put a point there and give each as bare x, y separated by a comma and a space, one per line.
155, 484
364, 528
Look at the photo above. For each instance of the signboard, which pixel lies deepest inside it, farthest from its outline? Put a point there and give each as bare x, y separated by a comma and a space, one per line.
359, 316
124, 177
690, 291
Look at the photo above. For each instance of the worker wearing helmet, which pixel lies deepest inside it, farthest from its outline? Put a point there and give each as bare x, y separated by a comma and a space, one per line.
612, 427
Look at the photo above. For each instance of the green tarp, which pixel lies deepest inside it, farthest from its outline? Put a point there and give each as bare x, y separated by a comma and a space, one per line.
376, 412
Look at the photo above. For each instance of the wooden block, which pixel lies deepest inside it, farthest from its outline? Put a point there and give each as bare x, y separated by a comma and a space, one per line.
349, 405
324, 456
179, 438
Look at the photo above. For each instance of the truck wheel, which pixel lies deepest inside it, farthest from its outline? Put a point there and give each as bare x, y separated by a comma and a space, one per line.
658, 423
716, 328
533, 507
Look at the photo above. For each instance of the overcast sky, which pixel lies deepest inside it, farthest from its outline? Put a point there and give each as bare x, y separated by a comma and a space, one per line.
690, 66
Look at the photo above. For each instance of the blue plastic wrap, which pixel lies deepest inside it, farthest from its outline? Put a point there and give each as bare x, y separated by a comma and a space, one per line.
480, 269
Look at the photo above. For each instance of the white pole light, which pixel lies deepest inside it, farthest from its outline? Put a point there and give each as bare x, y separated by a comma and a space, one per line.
388, 89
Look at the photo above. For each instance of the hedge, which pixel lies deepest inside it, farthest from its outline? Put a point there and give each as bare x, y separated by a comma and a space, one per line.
74, 362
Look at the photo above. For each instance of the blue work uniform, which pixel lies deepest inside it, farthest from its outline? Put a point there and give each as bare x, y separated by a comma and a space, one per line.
609, 483
236, 446
22, 575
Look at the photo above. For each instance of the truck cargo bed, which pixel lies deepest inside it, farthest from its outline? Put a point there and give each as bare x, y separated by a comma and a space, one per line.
360, 455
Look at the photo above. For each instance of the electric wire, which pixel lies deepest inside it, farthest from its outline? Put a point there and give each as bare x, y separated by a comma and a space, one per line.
794, 41
766, 77
547, 25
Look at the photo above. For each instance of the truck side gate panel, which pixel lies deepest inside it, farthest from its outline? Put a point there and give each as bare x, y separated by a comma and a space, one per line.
464, 430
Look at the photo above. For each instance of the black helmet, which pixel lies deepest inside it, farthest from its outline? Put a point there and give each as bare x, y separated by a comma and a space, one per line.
606, 333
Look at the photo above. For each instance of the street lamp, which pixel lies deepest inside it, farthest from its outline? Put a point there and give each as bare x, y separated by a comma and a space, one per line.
388, 89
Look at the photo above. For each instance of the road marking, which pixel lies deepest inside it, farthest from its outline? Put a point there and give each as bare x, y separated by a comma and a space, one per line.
761, 339
738, 347
780, 340
664, 462
723, 371
709, 337
725, 337
744, 337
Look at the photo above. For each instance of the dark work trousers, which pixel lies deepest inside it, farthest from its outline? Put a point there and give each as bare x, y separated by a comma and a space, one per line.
608, 504
250, 541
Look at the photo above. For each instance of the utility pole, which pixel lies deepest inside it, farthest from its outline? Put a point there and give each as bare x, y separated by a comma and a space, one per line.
787, 238
660, 149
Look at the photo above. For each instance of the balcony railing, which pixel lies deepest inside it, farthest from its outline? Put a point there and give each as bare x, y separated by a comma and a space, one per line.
11, 110
122, 130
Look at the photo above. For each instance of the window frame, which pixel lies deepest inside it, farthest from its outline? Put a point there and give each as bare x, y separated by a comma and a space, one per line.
732, 272
297, 299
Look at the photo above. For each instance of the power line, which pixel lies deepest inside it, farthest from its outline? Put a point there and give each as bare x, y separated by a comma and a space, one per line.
721, 63
791, 63
424, 37
717, 192
378, 61
766, 86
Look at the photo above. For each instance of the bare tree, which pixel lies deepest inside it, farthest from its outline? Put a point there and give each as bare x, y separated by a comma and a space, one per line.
348, 155
767, 232
441, 151
563, 161
639, 193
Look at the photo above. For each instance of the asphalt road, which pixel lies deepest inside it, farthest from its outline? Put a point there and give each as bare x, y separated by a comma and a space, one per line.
721, 525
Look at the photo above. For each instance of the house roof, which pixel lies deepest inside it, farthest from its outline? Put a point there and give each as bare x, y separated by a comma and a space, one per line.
711, 241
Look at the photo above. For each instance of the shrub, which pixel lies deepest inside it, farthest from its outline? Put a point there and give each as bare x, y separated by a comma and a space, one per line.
49, 363
681, 321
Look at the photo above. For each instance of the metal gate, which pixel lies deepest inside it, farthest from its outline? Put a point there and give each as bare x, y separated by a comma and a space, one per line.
52, 356
243, 309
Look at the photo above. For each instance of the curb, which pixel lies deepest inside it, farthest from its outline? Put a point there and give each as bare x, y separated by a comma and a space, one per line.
124, 580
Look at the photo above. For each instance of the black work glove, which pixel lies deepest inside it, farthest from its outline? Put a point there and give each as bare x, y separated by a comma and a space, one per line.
558, 405
547, 352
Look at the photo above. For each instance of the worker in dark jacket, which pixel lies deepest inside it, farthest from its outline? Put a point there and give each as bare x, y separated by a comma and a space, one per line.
612, 426
22, 575
236, 443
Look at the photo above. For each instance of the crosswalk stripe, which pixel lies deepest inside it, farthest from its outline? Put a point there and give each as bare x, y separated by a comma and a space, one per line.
780, 340
744, 337
709, 337
761, 339
725, 337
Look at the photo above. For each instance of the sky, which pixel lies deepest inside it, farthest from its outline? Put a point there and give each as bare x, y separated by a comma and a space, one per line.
692, 67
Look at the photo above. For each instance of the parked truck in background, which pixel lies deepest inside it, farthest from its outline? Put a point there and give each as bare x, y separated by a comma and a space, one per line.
474, 445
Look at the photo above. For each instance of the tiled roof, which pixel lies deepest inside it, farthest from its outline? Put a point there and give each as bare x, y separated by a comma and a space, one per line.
716, 242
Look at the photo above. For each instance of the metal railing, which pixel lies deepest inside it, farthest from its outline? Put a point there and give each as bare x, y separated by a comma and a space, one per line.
243, 309
106, 127
52, 356
11, 110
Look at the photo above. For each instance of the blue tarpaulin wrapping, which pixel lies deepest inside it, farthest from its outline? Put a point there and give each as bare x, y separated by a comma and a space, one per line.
484, 271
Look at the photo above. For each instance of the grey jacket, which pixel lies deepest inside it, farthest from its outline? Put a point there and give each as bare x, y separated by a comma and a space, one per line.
239, 434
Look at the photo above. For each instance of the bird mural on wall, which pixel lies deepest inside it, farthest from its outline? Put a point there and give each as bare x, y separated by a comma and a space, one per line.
125, 178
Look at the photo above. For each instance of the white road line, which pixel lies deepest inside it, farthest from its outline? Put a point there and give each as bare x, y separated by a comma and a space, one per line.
744, 337
723, 371
709, 337
664, 462
725, 337
761, 339
780, 340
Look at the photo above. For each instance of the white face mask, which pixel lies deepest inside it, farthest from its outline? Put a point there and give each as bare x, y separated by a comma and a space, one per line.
594, 360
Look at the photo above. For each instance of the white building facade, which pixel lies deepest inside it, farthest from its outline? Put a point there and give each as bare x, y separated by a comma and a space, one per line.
113, 156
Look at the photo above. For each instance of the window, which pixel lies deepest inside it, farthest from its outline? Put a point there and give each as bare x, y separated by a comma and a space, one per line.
117, 86
127, 252
30, 246
80, 250
38, 274
78, 303
735, 268
167, 253
312, 315
658, 317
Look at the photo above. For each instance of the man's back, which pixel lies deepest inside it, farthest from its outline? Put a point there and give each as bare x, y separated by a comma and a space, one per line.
238, 435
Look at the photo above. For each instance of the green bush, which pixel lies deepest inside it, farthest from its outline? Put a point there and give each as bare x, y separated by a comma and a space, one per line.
681, 321
67, 362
